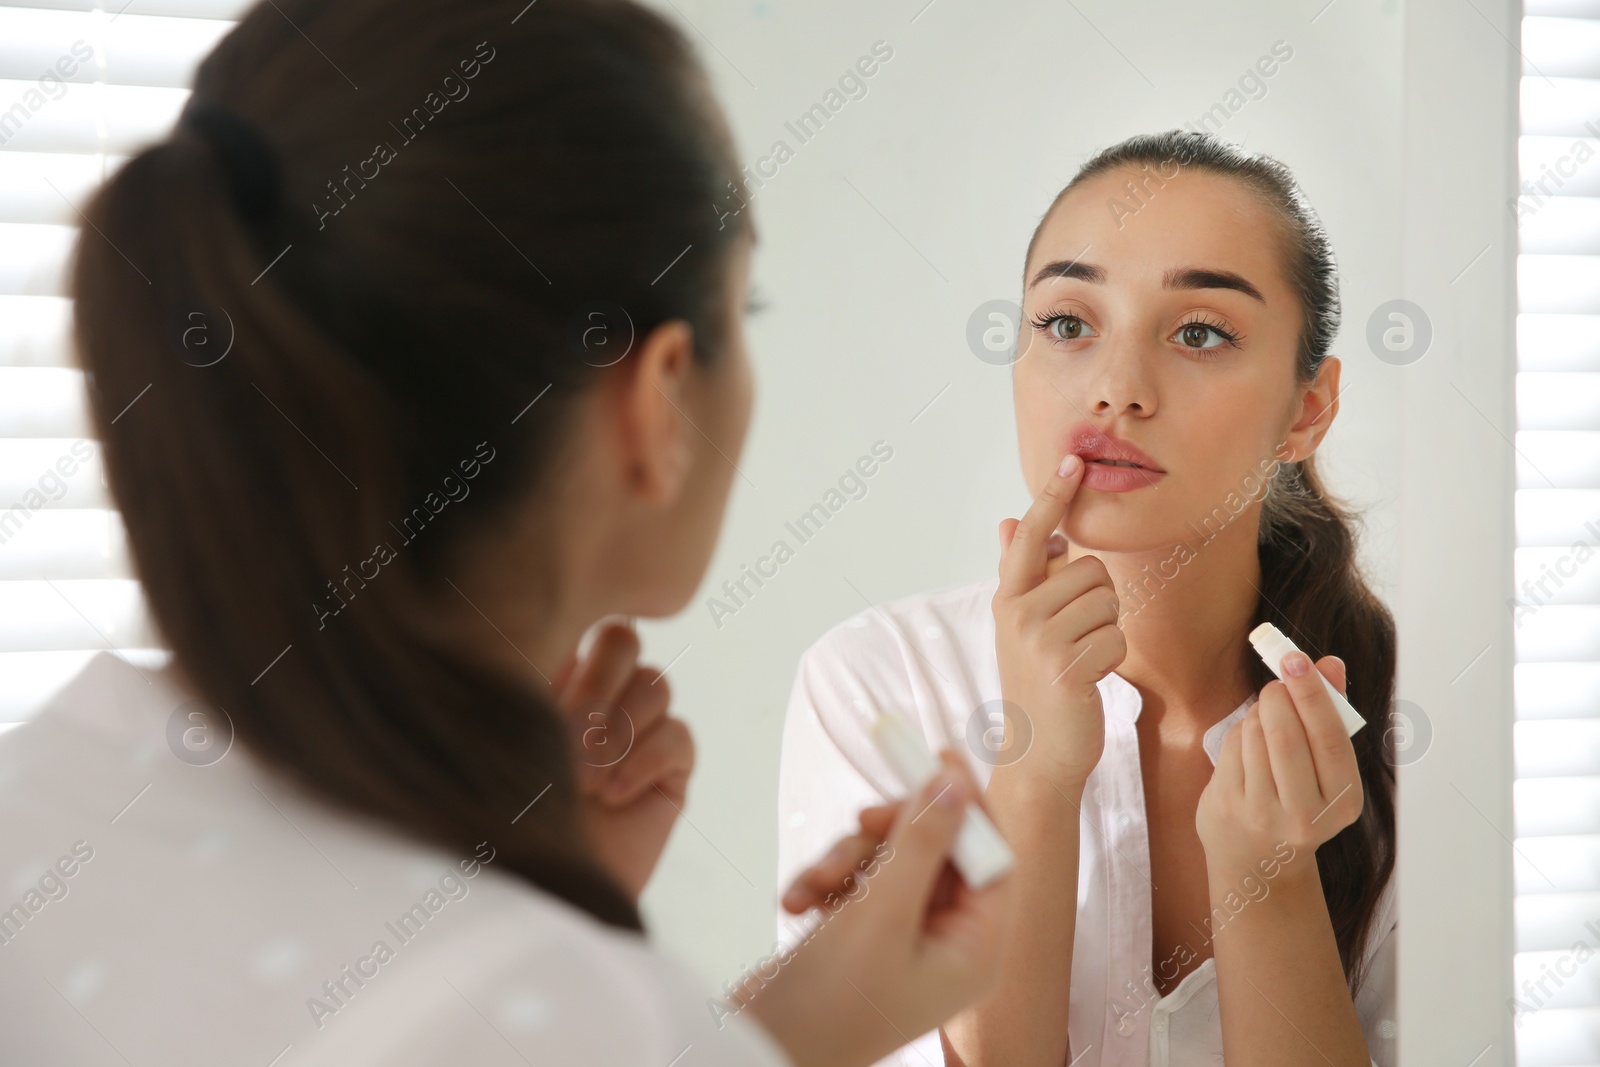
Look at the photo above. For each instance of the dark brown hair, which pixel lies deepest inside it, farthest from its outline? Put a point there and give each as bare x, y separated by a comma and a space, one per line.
382, 366
1312, 586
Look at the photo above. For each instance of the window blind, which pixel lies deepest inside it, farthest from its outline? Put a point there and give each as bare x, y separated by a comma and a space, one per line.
82, 86
1556, 604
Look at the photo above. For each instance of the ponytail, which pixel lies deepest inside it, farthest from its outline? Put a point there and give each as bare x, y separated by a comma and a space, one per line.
1313, 590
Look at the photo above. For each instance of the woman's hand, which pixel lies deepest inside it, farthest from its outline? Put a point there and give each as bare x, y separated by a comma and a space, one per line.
633, 759
1286, 781
902, 942
1287, 774
844, 871
1056, 635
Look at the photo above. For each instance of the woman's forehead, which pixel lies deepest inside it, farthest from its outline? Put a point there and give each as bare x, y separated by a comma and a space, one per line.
1151, 221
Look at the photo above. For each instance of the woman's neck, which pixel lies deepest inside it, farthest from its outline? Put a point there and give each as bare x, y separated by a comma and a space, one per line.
504, 609
1186, 618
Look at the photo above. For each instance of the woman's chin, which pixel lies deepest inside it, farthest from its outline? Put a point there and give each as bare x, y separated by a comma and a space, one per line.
1123, 534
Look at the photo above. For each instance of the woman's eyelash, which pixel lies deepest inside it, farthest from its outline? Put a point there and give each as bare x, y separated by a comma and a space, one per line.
1043, 321
1233, 338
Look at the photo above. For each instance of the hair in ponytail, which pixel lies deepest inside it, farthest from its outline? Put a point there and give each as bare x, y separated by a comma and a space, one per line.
306, 404
1312, 585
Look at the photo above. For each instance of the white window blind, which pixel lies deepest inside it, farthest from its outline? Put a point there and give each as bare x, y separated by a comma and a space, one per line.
81, 87
1556, 985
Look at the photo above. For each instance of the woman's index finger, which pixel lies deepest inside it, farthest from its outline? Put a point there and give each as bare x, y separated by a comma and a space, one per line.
1022, 566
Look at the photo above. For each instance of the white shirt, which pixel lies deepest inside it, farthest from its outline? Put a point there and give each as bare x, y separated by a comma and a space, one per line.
153, 911
931, 658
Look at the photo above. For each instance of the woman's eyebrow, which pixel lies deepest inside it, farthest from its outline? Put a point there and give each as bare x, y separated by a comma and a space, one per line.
1205, 278
1069, 268
1185, 278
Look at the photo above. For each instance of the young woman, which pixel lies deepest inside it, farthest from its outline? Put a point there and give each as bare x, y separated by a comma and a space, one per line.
1228, 849
415, 351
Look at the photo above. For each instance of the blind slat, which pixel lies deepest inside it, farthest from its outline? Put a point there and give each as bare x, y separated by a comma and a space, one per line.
48, 187
1559, 107
1556, 690
44, 472
1559, 285
194, 9
1557, 748
1567, 225
56, 50
1559, 459
1558, 342
1557, 807
1558, 632
1559, 865
80, 543
34, 331
1550, 517
88, 118
42, 402
50, 615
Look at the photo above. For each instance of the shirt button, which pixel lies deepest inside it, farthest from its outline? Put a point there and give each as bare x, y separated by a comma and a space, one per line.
1160, 1024
1125, 1025
1123, 820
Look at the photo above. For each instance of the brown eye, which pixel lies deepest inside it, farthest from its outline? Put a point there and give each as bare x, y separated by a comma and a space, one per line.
1199, 335
1069, 328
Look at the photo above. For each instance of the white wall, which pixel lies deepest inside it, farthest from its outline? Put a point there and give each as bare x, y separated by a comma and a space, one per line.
913, 206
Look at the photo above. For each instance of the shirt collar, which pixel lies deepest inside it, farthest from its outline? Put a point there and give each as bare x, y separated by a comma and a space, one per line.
1122, 699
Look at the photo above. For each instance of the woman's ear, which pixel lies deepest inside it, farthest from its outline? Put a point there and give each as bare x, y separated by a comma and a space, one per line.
653, 429
1318, 406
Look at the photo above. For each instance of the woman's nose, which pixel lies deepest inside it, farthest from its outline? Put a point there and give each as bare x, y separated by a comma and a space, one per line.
1122, 381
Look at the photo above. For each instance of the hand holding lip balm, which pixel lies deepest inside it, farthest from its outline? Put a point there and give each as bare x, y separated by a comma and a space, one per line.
979, 853
1271, 644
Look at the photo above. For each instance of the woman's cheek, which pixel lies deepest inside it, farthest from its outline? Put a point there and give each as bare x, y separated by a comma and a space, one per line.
1044, 416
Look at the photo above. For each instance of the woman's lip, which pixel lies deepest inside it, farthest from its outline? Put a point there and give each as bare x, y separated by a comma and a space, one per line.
1109, 456
1092, 443
1114, 478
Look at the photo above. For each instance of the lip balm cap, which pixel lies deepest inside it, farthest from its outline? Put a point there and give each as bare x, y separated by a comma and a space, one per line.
1272, 645
979, 852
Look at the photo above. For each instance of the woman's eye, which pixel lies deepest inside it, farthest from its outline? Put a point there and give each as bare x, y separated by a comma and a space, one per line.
1199, 335
1068, 328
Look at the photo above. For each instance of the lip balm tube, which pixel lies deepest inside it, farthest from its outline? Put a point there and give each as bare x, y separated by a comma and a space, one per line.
1271, 644
979, 853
